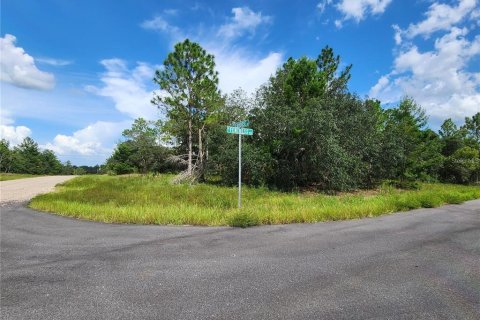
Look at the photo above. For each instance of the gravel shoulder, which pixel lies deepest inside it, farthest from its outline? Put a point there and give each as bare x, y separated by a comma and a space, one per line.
21, 190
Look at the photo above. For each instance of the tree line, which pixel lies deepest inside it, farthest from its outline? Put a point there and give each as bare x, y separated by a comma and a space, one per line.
310, 131
28, 158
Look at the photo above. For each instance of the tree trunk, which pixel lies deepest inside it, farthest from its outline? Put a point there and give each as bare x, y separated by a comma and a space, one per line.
189, 169
200, 148
201, 155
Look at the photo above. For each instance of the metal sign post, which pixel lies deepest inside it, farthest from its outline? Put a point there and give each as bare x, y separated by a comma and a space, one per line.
239, 170
238, 128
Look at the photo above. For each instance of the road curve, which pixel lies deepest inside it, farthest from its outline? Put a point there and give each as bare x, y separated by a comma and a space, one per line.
21, 190
424, 264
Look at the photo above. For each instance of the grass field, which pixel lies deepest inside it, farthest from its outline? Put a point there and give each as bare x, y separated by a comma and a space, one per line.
154, 200
14, 176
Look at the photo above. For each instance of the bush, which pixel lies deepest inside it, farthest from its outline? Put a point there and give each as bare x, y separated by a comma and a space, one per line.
243, 220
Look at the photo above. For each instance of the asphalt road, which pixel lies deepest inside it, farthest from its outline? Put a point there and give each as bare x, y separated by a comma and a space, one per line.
424, 264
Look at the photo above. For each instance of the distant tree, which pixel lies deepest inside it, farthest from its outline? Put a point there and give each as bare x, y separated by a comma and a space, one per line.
452, 137
67, 168
5, 156
79, 171
192, 96
403, 138
141, 151
50, 163
143, 137
120, 162
472, 128
27, 158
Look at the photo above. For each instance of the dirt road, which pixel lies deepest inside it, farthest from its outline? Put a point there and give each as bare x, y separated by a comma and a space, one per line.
24, 189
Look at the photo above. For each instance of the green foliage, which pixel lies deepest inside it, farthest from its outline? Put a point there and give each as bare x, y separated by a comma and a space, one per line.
50, 163
462, 166
403, 140
310, 131
461, 151
68, 168
6, 156
27, 158
243, 219
192, 98
452, 138
141, 151
79, 171
472, 128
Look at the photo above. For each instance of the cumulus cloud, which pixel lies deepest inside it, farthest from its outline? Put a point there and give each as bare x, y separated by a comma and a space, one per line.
128, 88
443, 80
18, 68
238, 65
358, 9
439, 17
14, 134
8, 131
95, 139
244, 21
239, 69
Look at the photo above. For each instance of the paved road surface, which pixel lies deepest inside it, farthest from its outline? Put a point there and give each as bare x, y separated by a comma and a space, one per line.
418, 265
25, 189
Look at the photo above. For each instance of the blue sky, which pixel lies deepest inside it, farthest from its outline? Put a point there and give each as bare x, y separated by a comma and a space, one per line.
74, 74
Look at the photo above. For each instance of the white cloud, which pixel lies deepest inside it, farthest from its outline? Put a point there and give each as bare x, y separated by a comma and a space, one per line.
9, 132
244, 21
159, 23
359, 9
439, 17
239, 69
238, 66
128, 88
96, 140
54, 62
18, 67
322, 5
14, 134
440, 80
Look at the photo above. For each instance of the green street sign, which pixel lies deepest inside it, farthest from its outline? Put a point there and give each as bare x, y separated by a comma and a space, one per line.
237, 130
241, 124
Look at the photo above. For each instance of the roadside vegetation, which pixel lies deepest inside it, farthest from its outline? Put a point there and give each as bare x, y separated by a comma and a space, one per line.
318, 152
155, 200
310, 131
15, 176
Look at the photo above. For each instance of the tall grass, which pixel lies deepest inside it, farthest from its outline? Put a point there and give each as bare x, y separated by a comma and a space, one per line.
154, 200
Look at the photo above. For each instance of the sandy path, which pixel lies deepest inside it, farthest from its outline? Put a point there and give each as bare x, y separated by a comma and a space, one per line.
24, 189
